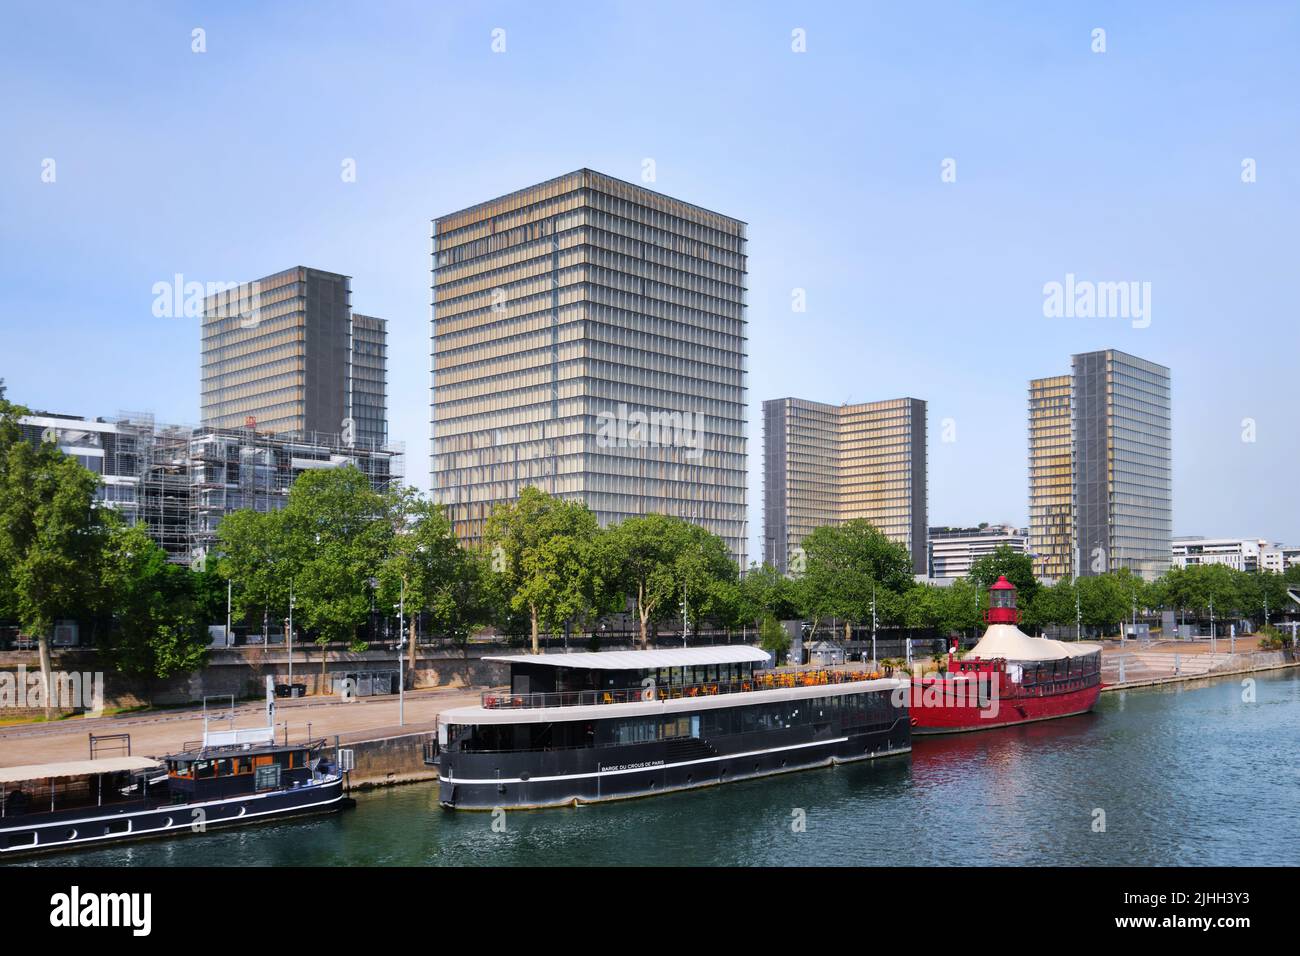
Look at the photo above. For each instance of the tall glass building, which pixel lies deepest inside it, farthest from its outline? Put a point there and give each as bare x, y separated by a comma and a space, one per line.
827, 464
588, 338
286, 355
1051, 478
1120, 467
367, 399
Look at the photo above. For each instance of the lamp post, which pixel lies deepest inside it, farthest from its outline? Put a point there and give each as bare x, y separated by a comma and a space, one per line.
1213, 642
873, 626
290, 638
401, 647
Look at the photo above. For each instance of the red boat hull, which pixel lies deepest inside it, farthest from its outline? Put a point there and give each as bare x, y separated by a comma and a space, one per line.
961, 716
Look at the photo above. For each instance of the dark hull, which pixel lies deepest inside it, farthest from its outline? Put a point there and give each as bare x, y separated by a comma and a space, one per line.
523, 780
102, 826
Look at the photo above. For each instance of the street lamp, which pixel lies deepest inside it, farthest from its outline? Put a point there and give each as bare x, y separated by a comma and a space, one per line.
290, 638
401, 647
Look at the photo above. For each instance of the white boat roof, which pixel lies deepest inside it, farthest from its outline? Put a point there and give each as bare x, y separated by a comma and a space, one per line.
1010, 642
74, 768
651, 708
644, 660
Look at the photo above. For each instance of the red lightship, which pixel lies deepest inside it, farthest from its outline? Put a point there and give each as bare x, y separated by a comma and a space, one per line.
1007, 678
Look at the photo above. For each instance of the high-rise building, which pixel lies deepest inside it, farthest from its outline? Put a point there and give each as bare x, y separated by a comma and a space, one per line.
827, 464
1051, 478
278, 356
1120, 467
368, 381
588, 338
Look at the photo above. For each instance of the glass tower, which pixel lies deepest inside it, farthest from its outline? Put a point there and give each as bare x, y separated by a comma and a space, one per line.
827, 464
1123, 473
1051, 477
278, 356
588, 338
368, 381
1100, 467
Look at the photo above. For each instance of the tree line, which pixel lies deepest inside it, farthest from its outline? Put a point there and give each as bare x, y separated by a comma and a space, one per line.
341, 554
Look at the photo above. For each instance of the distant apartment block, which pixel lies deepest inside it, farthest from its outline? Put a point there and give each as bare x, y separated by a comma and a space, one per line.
954, 550
827, 464
1119, 467
1241, 554
179, 482
588, 338
286, 355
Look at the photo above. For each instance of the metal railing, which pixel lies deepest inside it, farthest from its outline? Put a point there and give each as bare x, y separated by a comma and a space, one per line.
500, 700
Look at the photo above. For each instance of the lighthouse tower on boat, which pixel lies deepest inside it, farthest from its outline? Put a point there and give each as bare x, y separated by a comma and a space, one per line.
1002, 603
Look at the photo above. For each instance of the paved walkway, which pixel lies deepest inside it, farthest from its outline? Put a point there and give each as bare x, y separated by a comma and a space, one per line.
164, 731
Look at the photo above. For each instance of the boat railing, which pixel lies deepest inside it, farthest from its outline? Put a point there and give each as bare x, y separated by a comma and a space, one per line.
235, 749
504, 700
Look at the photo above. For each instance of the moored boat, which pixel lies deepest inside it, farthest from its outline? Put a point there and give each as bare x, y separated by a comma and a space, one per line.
233, 778
590, 727
1007, 678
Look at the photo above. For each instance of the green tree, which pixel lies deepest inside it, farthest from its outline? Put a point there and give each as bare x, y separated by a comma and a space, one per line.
337, 533
1052, 605
960, 606
766, 592
706, 576
642, 554
51, 536
157, 627
541, 552
1104, 600
774, 638
1017, 567
255, 556
848, 566
922, 607
437, 574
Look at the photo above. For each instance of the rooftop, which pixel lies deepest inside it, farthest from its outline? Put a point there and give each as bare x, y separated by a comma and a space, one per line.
644, 660
74, 768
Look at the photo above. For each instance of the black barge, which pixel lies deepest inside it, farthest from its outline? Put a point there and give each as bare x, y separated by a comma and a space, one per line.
590, 727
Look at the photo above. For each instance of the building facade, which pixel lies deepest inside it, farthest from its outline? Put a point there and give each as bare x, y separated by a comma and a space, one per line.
179, 482
827, 464
285, 355
367, 381
1120, 467
1241, 554
1051, 478
588, 338
954, 550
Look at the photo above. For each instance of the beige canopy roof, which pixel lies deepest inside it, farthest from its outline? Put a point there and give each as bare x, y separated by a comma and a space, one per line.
74, 768
1007, 640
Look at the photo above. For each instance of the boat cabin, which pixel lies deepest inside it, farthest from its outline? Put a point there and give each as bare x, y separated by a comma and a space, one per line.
75, 785
559, 680
227, 771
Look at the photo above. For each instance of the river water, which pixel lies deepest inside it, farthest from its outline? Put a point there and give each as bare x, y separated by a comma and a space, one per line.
1187, 774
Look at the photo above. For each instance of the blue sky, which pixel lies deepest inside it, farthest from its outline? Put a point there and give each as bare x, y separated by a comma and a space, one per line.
1117, 166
